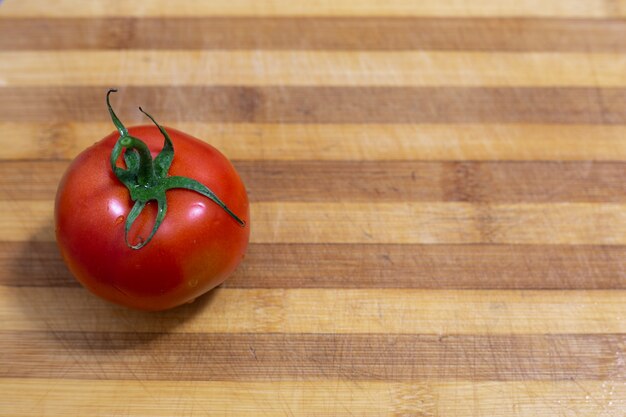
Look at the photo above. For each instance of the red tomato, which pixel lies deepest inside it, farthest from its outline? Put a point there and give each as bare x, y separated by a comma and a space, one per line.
197, 245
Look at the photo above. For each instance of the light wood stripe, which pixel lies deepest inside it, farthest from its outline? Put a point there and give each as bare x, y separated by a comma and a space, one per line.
364, 142
347, 142
359, 181
323, 104
317, 33
557, 223
78, 8
427, 223
337, 398
311, 68
391, 311
288, 357
575, 223
39, 264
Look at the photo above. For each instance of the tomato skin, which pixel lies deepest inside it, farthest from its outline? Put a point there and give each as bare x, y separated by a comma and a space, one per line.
196, 247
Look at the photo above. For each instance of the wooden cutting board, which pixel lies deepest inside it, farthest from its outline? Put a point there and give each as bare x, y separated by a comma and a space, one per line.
438, 207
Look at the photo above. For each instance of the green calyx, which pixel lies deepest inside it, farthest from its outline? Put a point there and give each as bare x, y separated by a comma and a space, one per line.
147, 179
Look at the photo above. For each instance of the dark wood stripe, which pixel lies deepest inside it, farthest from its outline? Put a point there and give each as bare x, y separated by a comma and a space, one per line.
31, 179
475, 34
320, 104
499, 182
309, 356
432, 267
434, 181
38, 264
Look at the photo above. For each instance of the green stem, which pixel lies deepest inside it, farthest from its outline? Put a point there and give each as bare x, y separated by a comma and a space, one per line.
147, 179
145, 174
118, 124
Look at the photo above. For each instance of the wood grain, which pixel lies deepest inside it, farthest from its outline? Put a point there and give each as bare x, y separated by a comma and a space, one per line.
388, 181
307, 357
438, 207
321, 397
316, 33
573, 223
323, 104
346, 311
402, 222
313, 68
560, 8
38, 264
357, 142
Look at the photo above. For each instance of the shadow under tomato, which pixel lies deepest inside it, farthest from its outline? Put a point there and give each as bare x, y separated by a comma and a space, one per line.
53, 304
